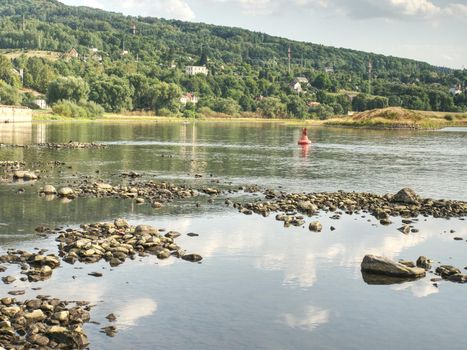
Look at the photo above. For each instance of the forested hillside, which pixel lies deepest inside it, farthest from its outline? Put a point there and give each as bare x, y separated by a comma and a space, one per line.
136, 63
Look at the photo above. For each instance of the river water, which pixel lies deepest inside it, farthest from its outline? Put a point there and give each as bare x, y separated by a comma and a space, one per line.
260, 285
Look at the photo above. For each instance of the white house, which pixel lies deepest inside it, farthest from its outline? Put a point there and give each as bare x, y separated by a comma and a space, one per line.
329, 70
41, 103
456, 90
302, 80
297, 87
194, 70
189, 98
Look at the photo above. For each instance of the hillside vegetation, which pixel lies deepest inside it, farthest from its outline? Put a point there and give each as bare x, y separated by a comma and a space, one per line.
400, 118
138, 63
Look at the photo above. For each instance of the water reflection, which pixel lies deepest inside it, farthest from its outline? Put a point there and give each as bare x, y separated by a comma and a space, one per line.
16, 133
308, 319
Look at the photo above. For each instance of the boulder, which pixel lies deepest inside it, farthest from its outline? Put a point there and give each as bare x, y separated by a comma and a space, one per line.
316, 226
192, 257
49, 189
66, 192
406, 196
447, 270
384, 266
424, 263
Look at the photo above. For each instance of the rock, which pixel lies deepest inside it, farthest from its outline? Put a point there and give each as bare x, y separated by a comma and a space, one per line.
316, 226
307, 206
192, 257
458, 239
110, 331
157, 205
423, 263
95, 274
103, 187
457, 278
10, 311
406, 196
38, 339
17, 292
140, 200
8, 279
404, 229
36, 315
111, 317
121, 223
385, 222
66, 192
49, 189
407, 263
145, 229
61, 315
447, 270
191, 234
383, 266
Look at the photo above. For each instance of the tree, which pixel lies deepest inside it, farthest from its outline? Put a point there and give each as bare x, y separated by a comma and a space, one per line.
67, 88
164, 96
7, 72
271, 107
112, 93
8, 94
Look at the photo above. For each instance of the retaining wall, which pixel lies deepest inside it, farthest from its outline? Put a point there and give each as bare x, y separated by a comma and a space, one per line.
11, 114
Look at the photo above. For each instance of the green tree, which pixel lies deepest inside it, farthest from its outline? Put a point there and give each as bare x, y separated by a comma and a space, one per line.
112, 93
67, 88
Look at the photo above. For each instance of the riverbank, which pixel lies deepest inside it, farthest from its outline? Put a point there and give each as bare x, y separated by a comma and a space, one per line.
399, 118
388, 118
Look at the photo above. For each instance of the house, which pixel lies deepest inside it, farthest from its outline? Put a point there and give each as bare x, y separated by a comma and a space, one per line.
125, 52
73, 53
194, 70
456, 90
94, 49
296, 86
329, 70
302, 80
41, 103
313, 104
188, 98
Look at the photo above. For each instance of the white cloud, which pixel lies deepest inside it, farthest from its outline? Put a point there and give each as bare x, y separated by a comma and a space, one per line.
393, 9
177, 9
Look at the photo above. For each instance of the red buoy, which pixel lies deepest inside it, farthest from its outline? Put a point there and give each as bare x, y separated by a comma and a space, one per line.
304, 140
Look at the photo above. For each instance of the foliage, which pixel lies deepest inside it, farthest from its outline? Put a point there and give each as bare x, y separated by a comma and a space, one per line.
8, 94
248, 71
71, 109
67, 88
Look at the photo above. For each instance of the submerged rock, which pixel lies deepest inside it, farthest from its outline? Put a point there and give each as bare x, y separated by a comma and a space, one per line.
383, 266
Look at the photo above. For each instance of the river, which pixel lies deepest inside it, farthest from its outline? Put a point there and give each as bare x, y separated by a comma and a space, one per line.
260, 285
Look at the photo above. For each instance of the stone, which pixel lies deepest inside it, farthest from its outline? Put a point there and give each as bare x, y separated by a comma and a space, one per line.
111, 317
49, 189
406, 196
157, 205
8, 279
10, 311
66, 192
404, 229
121, 223
384, 266
307, 206
38, 339
385, 222
424, 263
447, 270
192, 257
316, 226
95, 274
36, 315
61, 315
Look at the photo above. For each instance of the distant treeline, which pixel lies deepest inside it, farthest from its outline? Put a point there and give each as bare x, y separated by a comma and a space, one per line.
136, 63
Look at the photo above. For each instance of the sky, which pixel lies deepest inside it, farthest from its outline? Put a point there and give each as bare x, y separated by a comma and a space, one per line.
433, 31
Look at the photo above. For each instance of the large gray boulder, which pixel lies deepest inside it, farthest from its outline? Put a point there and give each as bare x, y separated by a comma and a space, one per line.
406, 196
383, 266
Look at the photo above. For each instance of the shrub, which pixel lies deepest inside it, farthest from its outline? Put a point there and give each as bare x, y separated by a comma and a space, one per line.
77, 110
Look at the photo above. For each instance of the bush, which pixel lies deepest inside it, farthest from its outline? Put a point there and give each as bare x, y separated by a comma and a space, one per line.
449, 117
77, 110
8, 94
164, 112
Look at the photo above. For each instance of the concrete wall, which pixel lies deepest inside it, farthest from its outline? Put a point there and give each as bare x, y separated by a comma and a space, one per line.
10, 114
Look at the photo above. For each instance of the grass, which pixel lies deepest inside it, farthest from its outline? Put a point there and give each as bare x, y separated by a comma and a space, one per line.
50, 55
399, 118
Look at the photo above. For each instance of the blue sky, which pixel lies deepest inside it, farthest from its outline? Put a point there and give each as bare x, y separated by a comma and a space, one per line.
434, 31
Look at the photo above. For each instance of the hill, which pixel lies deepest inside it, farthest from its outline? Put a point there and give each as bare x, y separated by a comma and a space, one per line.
248, 71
